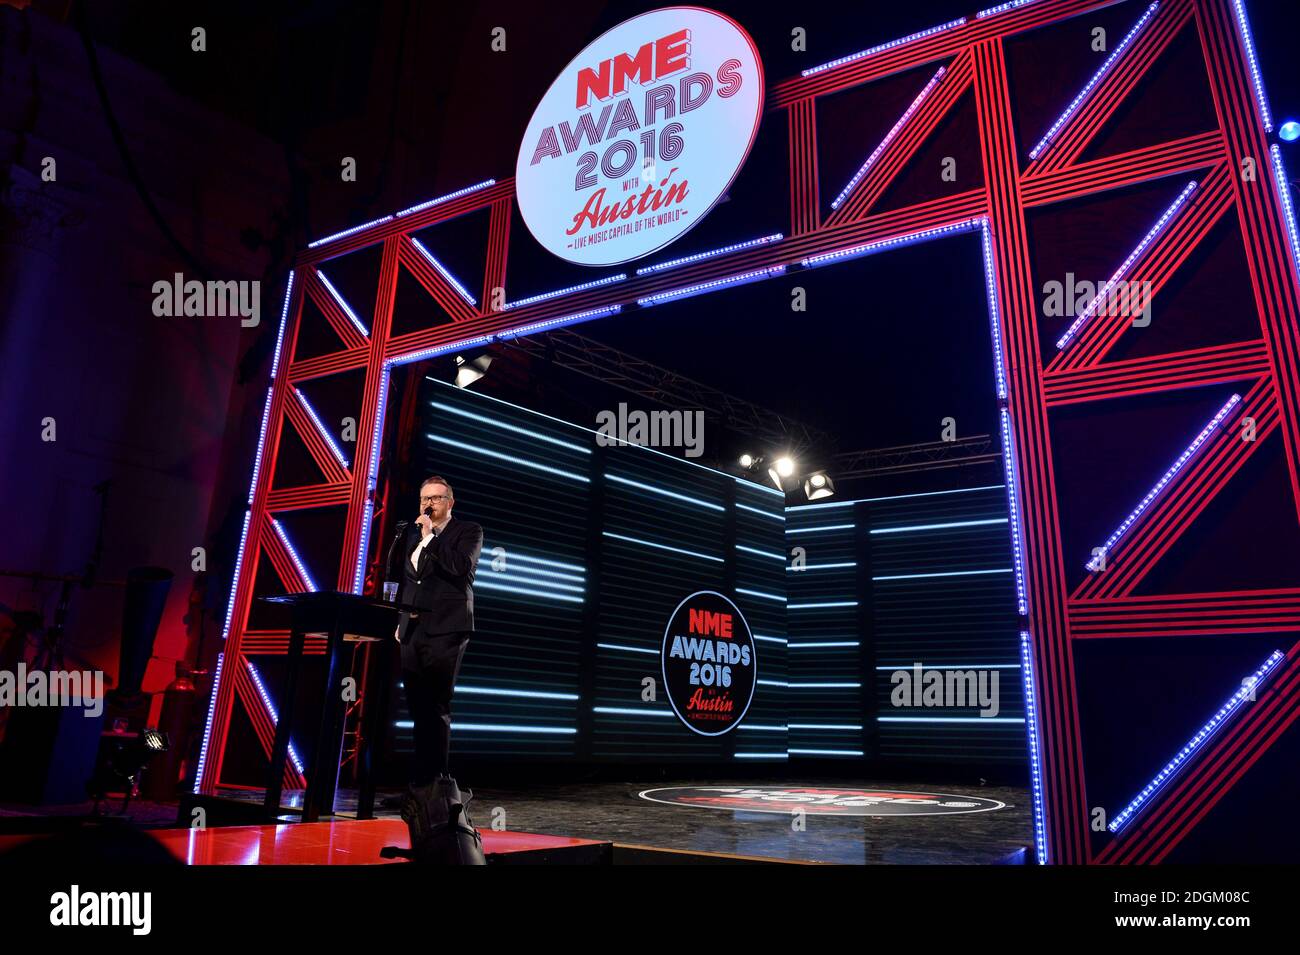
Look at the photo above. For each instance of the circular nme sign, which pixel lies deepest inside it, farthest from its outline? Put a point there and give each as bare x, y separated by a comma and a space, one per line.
819, 801
640, 135
709, 663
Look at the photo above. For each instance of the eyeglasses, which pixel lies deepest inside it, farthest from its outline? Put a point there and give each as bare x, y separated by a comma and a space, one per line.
429, 499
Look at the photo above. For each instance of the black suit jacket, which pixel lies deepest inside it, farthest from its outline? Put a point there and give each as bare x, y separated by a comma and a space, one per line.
442, 585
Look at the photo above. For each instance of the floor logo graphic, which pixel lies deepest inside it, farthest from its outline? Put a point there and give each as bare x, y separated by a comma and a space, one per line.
821, 801
709, 663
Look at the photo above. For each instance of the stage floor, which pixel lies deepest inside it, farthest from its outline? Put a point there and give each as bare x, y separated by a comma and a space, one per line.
909, 822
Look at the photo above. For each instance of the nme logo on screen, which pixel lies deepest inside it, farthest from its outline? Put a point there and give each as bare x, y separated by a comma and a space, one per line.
709, 663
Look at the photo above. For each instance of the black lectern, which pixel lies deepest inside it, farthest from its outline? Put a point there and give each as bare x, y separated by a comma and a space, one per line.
342, 619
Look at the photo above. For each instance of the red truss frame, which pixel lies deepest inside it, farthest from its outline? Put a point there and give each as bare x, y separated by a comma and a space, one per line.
1105, 605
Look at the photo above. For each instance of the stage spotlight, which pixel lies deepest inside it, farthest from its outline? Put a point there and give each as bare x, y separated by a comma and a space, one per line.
122, 759
746, 461
471, 370
781, 469
1289, 131
818, 485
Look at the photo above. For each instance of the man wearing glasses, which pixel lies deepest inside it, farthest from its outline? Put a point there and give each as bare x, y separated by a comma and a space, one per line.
438, 578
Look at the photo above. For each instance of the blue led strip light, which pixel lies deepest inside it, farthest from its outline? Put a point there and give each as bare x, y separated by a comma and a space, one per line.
1096, 78
871, 247
320, 426
261, 442
1102, 293
1008, 465
509, 458
573, 319
991, 290
885, 46
284, 318
1001, 8
619, 479
436, 350
1096, 562
508, 691
353, 231
700, 256
447, 198
517, 557
675, 550
946, 573
532, 572
760, 512
505, 426
234, 586
628, 711
523, 575
1205, 733
607, 280
270, 708
212, 706
512, 728
889, 137
1008, 454
528, 592
443, 271
1248, 42
619, 646
829, 727
1284, 188
984, 720
359, 569
952, 666
347, 309
755, 276
1035, 757
932, 527
293, 555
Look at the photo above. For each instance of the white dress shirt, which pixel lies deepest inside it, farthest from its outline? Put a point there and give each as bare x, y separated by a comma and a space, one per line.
424, 542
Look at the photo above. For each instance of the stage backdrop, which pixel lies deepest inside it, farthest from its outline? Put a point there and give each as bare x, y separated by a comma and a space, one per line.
1174, 445
587, 551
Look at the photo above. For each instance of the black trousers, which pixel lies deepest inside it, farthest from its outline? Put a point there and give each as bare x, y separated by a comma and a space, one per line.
430, 663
